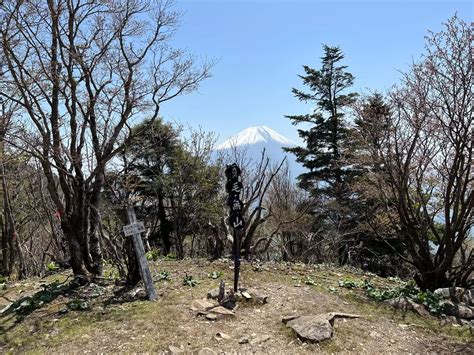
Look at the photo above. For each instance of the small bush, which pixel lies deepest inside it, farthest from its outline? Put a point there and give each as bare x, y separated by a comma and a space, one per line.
153, 254
112, 274
52, 266
78, 305
309, 281
410, 290
164, 276
170, 256
189, 280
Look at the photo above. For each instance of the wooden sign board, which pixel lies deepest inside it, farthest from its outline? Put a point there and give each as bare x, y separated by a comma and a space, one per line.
134, 228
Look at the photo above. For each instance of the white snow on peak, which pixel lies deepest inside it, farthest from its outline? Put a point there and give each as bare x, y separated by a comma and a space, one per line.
255, 135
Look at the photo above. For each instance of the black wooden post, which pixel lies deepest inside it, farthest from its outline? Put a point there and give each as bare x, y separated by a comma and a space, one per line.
236, 259
236, 221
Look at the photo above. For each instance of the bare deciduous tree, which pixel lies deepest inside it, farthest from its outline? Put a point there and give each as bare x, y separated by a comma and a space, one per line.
81, 71
425, 159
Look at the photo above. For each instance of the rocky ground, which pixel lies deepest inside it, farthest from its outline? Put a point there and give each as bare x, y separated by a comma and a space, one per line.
102, 318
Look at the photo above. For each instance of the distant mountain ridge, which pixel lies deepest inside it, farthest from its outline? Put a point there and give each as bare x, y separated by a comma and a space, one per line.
254, 139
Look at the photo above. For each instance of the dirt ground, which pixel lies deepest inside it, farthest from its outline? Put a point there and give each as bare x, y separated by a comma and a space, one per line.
142, 326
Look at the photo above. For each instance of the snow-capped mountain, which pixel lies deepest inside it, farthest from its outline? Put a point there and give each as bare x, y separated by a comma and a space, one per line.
253, 140
256, 135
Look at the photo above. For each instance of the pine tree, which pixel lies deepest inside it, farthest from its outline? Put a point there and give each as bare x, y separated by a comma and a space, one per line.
326, 141
328, 132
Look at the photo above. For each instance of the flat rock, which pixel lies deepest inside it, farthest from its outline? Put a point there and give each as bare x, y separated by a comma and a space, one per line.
311, 328
333, 315
221, 312
246, 295
211, 316
419, 309
6, 309
315, 328
259, 339
258, 296
405, 304
458, 310
400, 302
175, 350
201, 305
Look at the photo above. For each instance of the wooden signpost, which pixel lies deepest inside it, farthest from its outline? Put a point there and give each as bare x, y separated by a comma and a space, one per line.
236, 221
134, 229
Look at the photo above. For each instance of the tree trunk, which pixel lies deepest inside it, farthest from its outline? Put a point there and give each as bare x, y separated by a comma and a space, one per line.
165, 225
94, 222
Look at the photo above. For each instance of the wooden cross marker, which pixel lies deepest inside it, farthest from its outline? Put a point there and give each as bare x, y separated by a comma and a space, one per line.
135, 228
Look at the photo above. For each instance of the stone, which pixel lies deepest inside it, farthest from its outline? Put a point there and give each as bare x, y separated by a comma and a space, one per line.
333, 315
229, 301
468, 297
221, 295
206, 351
244, 340
246, 295
175, 350
221, 312
315, 328
211, 316
222, 335
259, 339
213, 294
136, 294
400, 302
454, 294
419, 309
311, 328
6, 309
465, 312
201, 305
458, 310
405, 304
259, 297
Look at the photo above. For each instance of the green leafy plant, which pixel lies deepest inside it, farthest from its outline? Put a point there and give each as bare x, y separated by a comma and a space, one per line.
28, 304
189, 280
348, 283
111, 274
78, 305
215, 274
409, 289
153, 254
309, 281
170, 256
52, 266
164, 276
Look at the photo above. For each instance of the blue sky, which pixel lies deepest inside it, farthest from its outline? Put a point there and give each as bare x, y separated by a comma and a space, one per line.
261, 46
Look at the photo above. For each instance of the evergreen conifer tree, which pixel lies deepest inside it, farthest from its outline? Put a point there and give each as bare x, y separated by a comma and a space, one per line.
327, 131
326, 138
